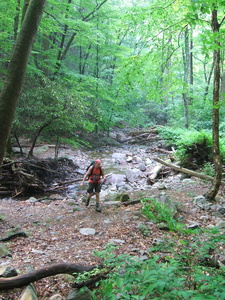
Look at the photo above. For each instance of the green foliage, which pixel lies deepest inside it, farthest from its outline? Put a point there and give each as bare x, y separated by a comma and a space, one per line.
194, 146
158, 212
179, 275
208, 169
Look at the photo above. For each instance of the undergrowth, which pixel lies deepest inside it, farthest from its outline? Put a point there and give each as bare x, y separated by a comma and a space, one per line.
181, 267
191, 146
180, 274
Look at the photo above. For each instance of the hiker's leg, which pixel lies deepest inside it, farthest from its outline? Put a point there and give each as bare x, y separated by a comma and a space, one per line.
97, 198
97, 194
90, 193
98, 208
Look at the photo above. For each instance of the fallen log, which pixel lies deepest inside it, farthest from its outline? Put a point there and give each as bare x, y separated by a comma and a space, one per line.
155, 171
131, 202
186, 171
13, 236
25, 279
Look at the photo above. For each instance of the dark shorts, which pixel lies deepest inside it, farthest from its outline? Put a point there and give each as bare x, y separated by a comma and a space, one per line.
96, 187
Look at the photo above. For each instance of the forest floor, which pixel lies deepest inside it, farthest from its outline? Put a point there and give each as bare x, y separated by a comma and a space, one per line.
53, 230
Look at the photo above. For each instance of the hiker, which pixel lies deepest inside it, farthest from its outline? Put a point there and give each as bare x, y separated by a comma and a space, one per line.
95, 174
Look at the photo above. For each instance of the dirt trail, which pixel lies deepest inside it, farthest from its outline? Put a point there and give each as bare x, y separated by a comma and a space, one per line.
53, 230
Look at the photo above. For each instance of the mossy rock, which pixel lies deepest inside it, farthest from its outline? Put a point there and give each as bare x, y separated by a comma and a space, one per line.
122, 197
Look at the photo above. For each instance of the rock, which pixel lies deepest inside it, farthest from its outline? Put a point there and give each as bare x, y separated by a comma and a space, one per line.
193, 226
163, 226
56, 297
222, 210
116, 241
133, 175
32, 200
7, 271
169, 204
148, 162
77, 294
201, 202
29, 293
123, 197
116, 179
221, 224
109, 141
129, 159
119, 155
142, 167
87, 231
157, 242
55, 197
138, 159
4, 251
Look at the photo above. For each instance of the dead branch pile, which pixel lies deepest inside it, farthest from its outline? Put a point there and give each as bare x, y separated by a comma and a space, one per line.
143, 137
33, 175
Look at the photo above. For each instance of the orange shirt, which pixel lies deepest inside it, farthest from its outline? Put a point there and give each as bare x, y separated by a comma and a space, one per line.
95, 176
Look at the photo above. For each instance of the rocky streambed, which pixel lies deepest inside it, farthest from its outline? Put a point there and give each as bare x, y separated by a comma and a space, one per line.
60, 228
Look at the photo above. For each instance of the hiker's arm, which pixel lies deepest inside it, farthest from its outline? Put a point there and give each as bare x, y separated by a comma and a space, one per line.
85, 176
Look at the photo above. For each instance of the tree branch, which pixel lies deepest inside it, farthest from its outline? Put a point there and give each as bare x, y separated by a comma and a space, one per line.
25, 279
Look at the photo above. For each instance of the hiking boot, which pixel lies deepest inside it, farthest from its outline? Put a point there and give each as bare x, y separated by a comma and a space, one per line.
87, 201
98, 209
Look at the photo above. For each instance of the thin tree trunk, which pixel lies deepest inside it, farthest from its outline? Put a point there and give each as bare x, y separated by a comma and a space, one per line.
16, 72
211, 194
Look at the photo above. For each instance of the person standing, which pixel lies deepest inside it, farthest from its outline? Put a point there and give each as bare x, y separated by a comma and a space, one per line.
95, 175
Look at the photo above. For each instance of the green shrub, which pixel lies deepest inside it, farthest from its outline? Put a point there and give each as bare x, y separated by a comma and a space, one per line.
178, 275
158, 212
175, 278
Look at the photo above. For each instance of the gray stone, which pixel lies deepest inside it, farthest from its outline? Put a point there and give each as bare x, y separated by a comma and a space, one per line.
4, 251
163, 226
7, 271
193, 226
116, 241
76, 294
29, 293
142, 167
133, 175
87, 231
56, 297
157, 242
201, 202
221, 224
119, 155
32, 199
116, 179
169, 204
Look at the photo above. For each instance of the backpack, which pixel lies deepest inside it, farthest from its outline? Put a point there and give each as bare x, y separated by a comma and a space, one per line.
92, 164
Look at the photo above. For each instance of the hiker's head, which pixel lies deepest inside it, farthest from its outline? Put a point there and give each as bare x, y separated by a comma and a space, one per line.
97, 163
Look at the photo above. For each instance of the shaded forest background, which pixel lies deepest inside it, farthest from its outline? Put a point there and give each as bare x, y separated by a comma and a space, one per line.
97, 64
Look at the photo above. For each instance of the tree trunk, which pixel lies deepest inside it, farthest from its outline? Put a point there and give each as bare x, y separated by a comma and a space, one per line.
16, 71
186, 62
211, 194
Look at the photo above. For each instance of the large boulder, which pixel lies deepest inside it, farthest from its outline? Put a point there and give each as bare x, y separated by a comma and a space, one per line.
133, 175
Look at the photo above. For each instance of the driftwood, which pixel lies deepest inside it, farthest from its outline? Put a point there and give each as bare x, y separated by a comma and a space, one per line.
25, 279
186, 171
142, 137
155, 171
